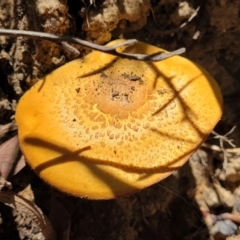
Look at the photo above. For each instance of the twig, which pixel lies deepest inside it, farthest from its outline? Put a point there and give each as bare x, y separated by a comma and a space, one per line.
107, 49
193, 15
87, 9
219, 149
70, 48
224, 138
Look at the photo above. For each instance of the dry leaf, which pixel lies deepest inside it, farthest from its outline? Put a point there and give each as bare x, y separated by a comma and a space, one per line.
27, 207
11, 160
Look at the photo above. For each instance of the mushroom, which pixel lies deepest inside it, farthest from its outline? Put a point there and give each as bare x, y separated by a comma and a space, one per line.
102, 127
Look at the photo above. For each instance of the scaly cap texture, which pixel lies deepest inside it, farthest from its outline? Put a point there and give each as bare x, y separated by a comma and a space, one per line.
103, 127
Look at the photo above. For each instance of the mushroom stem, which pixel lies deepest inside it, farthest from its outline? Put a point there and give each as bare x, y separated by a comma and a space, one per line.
107, 49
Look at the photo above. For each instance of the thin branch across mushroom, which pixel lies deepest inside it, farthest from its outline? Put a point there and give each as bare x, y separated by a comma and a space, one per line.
63, 40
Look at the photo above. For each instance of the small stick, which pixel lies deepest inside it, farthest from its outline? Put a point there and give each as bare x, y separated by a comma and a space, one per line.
219, 149
107, 49
70, 48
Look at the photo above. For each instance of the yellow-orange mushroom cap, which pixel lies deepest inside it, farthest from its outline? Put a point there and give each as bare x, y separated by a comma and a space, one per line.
103, 127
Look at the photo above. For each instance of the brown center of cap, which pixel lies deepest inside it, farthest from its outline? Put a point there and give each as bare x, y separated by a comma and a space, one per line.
118, 93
